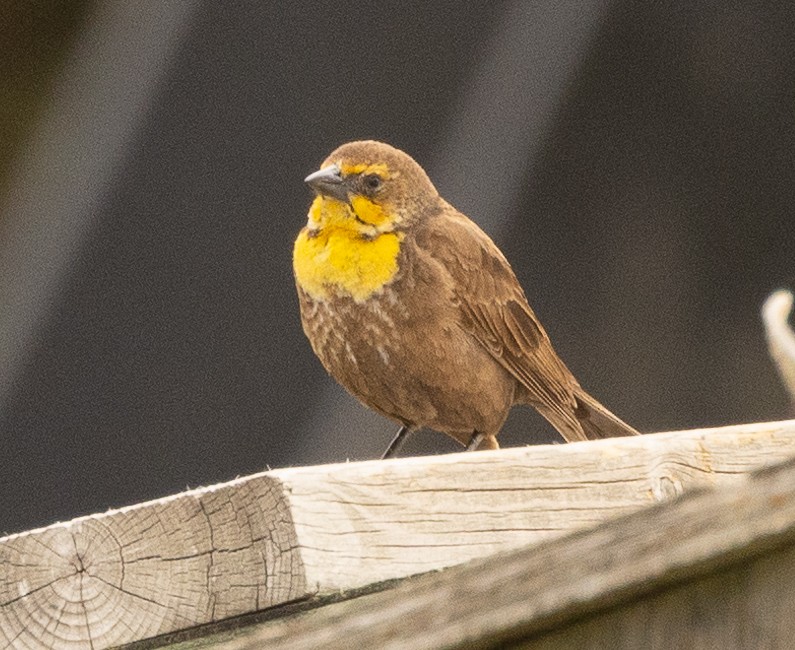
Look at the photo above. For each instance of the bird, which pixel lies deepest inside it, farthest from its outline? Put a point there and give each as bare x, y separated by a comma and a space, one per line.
414, 310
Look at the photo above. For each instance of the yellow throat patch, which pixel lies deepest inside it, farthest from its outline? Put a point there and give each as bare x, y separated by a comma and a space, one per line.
338, 254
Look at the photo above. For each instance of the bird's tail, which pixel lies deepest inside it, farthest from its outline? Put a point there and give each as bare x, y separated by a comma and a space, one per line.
596, 421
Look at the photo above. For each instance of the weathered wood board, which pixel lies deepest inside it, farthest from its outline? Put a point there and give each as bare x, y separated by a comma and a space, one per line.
714, 569
284, 535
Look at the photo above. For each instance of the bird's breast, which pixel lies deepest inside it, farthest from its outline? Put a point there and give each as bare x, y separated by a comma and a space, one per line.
338, 261
357, 342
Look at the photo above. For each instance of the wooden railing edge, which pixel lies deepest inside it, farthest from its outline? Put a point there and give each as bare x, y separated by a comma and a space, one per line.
688, 573
285, 535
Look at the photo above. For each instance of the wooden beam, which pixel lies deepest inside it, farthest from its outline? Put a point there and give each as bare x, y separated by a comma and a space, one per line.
275, 537
713, 569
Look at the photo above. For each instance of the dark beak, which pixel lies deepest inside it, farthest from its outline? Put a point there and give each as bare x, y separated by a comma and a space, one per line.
328, 182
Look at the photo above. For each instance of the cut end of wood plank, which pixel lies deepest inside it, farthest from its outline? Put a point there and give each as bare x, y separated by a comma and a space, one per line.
146, 570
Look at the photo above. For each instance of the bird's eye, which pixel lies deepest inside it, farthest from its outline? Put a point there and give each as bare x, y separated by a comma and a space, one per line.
373, 182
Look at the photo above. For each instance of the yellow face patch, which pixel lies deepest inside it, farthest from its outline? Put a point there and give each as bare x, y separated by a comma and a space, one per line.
369, 212
363, 168
325, 212
330, 212
347, 249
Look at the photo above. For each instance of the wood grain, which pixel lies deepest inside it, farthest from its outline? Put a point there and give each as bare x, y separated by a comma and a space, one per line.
213, 553
713, 569
138, 572
367, 522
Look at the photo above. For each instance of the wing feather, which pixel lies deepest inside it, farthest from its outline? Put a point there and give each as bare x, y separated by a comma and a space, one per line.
494, 310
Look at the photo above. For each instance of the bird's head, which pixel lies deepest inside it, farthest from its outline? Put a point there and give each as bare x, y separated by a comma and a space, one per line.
369, 187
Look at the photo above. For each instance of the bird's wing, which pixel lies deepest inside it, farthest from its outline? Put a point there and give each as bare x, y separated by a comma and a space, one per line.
494, 310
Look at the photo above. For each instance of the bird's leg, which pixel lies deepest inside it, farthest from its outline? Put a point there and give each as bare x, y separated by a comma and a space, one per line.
397, 442
475, 440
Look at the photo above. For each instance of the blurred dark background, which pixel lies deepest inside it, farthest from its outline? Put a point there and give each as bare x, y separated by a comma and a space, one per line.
634, 161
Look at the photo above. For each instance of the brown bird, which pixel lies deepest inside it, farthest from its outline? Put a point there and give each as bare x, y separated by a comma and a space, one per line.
416, 312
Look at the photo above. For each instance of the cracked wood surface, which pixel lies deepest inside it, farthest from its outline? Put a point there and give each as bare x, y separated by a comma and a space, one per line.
138, 572
713, 569
280, 536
